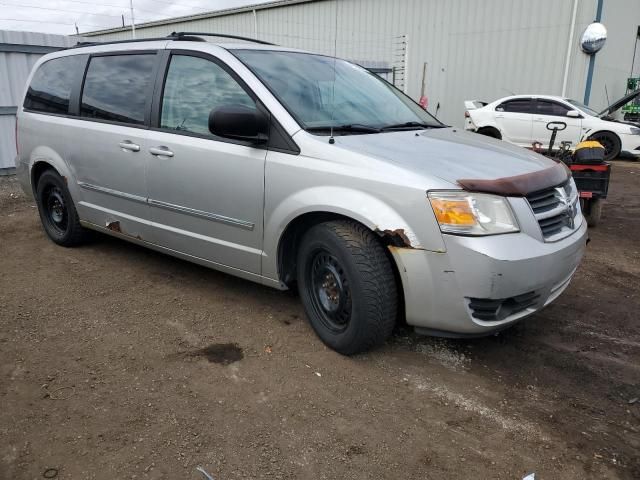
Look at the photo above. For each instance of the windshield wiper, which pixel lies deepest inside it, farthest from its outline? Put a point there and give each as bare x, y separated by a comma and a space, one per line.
351, 128
408, 126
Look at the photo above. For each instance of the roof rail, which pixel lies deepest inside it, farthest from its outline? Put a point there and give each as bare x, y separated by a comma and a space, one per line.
133, 40
186, 35
183, 36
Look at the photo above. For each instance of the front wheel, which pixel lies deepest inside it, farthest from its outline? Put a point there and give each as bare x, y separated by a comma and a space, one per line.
610, 142
347, 286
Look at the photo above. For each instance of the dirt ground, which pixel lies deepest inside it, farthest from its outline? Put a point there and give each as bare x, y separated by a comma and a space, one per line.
117, 362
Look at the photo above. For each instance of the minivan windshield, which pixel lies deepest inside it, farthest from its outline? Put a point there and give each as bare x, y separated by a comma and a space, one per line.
322, 92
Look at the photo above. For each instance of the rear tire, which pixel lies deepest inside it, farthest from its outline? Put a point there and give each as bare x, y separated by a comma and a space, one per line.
592, 211
490, 132
57, 211
610, 142
347, 286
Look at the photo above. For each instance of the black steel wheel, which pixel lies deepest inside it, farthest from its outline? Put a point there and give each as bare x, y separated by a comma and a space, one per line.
57, 211
347, 286
610, 142
330, 291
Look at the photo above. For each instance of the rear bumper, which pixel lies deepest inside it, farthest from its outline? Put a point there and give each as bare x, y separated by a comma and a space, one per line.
23, 176
439, 288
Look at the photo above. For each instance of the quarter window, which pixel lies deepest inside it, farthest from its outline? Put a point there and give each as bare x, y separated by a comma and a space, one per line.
116, 87
520, 105
545, 107
51, 85
194, 86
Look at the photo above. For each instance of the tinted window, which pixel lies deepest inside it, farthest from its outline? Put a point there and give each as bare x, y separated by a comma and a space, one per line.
51, 85
551, 108
194, 86
116, 87
521, 105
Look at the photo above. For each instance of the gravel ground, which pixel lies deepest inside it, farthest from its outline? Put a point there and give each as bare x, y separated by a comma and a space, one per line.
119, 362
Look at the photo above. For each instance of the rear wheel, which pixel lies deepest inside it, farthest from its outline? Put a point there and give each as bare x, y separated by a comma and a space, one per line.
610, 142
592, 210
57, 211
347, 286
490, 132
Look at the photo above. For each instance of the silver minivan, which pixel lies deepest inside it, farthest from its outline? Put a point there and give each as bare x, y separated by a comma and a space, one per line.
297, 170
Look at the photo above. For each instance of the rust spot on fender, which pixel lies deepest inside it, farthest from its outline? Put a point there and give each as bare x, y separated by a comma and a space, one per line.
114, 227
396, 238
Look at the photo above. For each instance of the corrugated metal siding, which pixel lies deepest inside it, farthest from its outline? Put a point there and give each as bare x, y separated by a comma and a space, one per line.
14, 70
474, 50
613, 62
7, 141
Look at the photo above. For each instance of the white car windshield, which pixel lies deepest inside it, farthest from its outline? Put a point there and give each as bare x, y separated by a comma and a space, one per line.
582, 107
321, 92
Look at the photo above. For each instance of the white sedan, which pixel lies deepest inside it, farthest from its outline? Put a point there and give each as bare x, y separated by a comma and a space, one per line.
523, 119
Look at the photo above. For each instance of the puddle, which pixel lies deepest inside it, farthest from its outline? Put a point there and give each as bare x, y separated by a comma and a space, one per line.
221, 353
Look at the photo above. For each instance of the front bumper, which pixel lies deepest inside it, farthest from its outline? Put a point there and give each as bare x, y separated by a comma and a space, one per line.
630, 144
439, 287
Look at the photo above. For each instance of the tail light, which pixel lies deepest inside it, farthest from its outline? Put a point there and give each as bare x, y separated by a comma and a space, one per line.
466, 114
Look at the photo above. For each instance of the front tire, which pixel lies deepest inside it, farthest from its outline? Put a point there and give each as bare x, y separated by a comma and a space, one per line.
58, 212
610, 142
347, 286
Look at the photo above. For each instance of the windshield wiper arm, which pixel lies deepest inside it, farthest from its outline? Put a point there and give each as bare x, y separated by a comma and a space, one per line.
354, 127
408, 125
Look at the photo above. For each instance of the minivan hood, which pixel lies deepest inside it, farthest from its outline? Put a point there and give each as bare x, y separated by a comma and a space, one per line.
448, 153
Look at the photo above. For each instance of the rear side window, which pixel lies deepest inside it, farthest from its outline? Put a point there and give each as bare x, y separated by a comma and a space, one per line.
50, 88
551, 108
521, 105
116, 87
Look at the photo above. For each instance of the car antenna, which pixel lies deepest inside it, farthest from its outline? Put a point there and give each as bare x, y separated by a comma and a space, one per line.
333, 87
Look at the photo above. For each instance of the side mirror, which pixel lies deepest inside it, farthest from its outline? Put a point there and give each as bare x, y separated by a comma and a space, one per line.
573, 114
239, 122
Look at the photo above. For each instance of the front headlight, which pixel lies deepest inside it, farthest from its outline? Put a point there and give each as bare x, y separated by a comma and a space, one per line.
466, 213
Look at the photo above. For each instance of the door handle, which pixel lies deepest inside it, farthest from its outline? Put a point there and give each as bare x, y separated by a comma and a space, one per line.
161, 152
499, 116
129, 145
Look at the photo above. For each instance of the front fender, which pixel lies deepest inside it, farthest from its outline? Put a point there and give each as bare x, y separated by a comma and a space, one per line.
358, 205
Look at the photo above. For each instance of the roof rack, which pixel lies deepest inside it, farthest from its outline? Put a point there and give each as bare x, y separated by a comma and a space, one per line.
132, 40
183, 36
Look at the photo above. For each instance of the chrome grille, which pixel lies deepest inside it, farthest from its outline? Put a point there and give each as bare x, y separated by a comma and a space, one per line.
556, 210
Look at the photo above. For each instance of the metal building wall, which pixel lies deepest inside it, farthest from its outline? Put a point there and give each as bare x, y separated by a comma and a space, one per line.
613, 63
473, 49
19, 51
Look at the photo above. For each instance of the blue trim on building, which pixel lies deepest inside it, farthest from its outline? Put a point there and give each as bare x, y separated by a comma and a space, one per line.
592, 60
